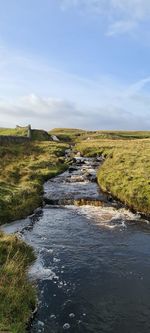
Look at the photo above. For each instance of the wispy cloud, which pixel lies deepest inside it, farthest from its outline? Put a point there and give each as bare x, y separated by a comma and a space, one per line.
49, 113
31, 92
122, 16
121, 27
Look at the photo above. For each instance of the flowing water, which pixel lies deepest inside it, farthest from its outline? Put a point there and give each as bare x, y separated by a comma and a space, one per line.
93, 262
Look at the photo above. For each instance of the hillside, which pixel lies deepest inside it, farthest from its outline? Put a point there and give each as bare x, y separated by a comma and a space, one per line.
76, 135
69, 135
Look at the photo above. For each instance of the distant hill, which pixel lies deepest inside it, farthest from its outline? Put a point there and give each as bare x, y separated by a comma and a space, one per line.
67, 134
73, 135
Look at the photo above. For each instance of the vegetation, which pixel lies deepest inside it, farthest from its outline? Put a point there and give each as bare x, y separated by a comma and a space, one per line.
125, 172
40, 135
17, 294
19, 131
77, 135
115, 135
23, 169
67, 134
36, 134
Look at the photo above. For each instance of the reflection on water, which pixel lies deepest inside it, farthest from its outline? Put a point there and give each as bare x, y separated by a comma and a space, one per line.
92, 268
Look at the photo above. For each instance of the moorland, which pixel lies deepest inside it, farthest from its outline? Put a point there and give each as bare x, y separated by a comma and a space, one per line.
23, 169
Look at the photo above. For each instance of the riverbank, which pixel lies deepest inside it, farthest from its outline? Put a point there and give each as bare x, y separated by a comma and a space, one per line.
125, 171
24, 168
17, 294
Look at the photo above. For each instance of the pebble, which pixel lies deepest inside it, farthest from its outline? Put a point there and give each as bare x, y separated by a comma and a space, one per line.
52, 316
40, 323
66, 326
71, 315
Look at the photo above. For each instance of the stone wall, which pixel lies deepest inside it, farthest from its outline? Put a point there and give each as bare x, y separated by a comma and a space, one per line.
17, 138
14, 139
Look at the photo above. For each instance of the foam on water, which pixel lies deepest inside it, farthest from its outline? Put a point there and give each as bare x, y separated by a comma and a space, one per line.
108, 217
38, 272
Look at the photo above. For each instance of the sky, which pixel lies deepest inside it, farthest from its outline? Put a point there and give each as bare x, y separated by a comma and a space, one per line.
75, 63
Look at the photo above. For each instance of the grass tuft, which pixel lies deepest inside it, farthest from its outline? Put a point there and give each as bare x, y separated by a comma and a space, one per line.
17, 294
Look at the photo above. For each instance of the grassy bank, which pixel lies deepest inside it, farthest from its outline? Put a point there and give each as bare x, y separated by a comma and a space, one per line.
23, 169
125, 172
17, 295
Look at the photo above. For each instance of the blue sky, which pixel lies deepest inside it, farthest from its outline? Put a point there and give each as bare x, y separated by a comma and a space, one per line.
75, 63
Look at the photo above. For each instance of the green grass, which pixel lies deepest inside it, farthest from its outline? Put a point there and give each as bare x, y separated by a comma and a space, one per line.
40, 135
73, 136
23, 169
126, 170
69, 135
17, 294
36, 134
115, 135
14, 131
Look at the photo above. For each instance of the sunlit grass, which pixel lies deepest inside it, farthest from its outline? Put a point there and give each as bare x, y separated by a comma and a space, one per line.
17, 294
14, 131
23, 169
73, 135
126, 170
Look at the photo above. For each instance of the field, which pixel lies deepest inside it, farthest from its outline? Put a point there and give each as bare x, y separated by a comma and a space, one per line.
78, 135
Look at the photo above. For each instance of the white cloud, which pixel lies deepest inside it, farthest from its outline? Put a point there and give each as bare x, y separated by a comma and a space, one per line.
122, 16
31, 92
48, 113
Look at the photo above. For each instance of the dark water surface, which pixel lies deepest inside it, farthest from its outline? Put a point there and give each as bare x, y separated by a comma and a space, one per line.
93, 264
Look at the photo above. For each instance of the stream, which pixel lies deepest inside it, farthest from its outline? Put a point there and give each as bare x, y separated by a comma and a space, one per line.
93, 258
